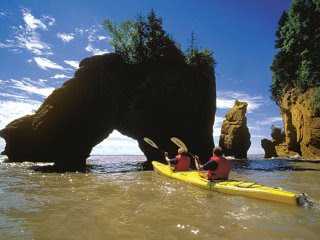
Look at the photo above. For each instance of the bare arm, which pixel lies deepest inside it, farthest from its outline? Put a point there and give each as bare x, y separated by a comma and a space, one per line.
166, 157
197, 163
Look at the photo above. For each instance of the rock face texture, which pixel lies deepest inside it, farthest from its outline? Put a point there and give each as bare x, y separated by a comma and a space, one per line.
158, 100
301, 126
235, 136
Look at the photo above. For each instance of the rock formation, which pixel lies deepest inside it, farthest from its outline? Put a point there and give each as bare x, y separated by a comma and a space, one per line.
269, 148
156, 100
235, 136
301, 125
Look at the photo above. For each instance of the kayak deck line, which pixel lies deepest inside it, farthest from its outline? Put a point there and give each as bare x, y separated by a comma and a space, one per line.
234, 187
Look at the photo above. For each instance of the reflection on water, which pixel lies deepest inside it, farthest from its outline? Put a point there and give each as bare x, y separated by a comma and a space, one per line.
114, 200
276, 165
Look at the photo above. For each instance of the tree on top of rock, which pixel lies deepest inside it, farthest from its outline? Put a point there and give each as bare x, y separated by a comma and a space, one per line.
122, 38
297, 61
142, 40
197, 56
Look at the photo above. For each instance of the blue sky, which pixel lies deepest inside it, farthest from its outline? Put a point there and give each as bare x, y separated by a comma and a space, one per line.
42, 42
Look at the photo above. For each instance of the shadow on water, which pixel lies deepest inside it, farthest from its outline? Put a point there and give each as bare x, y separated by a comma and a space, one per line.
92, 168
276, 165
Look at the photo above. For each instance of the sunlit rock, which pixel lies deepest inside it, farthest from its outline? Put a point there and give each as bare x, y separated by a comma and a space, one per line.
301, 125
235, 136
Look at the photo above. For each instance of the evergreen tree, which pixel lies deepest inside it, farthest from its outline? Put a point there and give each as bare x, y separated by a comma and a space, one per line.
196, 56
282, 21
159, 44
297, 64
155, 35
139, 39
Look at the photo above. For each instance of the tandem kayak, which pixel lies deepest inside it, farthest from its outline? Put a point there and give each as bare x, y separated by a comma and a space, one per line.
235, 187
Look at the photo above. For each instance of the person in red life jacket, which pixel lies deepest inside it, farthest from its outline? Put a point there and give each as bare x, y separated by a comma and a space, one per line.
181, 162
218, 167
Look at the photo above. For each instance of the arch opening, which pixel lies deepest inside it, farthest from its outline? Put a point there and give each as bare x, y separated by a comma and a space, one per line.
117, 144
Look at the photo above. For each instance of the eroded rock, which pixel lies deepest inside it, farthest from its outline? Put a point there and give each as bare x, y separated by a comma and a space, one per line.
269, 148
301, 125
156, 100
235, 136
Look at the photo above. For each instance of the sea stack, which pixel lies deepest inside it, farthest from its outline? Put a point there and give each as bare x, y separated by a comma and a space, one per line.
235, 136
157, 99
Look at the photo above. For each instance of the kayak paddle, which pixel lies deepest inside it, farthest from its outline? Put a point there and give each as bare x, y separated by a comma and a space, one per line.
180, 144
150, 142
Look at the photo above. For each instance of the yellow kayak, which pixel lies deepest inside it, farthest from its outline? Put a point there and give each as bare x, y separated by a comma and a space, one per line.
234, 187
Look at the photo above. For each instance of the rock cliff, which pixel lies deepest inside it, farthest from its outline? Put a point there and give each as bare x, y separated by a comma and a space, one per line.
235, 136
156, 100
301, 125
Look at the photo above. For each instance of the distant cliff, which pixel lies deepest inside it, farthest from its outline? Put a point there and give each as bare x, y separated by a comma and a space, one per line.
235, 136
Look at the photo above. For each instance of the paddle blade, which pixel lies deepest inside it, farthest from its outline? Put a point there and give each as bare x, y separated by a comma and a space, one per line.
150, 142
179, 143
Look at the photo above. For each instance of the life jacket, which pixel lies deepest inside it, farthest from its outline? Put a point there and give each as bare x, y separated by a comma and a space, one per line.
183, 163
223, 170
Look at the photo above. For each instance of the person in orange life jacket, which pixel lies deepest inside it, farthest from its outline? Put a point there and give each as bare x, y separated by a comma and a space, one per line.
218, 167
181, 162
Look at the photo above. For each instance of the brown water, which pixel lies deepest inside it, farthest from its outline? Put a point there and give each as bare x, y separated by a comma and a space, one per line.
113, 200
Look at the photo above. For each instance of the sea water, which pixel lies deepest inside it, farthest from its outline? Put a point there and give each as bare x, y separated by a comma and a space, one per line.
114, 199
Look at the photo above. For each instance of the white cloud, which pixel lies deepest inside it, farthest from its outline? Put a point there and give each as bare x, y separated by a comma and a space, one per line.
226, 99
217, 126
32, 23
91, 39
254, 128
27, 37
72, 63
269, 121
49, 19
45, 63
9, 95
29, 88
58, 76
2, 13
257, 136
95, 51
31, 41
66, 37
10, 110
9, 44
117, 144
101, 37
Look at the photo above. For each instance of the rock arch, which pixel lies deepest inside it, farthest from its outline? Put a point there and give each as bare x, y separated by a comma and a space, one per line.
158, 100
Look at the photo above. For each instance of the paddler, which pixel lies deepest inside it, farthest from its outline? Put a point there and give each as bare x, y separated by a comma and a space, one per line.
181, 162
218, 167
